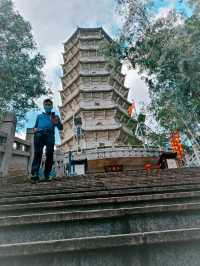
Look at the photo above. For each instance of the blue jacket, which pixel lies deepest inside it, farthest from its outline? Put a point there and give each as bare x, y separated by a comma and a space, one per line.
43, 122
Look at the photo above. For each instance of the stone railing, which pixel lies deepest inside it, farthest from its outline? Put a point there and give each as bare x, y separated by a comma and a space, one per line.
117, 152
15, 153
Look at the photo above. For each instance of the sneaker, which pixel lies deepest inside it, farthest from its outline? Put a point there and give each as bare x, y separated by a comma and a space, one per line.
46, 178
34, 179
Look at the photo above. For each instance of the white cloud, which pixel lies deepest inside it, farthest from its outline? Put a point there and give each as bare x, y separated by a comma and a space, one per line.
163, 12
53, 70
20, 135
138, 89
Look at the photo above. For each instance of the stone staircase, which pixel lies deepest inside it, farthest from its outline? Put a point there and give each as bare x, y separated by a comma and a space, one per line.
127, 218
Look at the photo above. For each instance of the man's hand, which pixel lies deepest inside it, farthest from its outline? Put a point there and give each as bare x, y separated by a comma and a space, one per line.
54, 119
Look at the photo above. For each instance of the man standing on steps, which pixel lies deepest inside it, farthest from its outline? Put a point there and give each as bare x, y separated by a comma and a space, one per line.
44, 135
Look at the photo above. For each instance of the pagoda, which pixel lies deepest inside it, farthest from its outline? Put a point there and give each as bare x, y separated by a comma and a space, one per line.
92, 92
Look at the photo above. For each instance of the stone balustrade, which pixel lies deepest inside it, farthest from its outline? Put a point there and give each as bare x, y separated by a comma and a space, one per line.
118, 152
15, 153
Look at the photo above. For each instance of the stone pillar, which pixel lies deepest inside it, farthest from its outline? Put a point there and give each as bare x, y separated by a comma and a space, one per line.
30, 139
8, 126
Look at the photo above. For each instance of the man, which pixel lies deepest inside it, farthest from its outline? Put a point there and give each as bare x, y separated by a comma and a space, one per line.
44, 135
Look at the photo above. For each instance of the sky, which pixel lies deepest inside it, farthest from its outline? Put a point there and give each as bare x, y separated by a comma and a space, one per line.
53, 22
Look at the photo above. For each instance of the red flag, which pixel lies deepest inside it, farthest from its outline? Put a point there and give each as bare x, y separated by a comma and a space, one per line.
132, 108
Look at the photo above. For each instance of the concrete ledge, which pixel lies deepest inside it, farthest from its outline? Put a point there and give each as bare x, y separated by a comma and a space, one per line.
99, 202
22, 141
21, 153
94, 192
87, 215
51, 194
100, 242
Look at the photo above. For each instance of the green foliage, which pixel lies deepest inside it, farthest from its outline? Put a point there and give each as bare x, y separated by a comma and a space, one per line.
21, 77
113, 52
166, 51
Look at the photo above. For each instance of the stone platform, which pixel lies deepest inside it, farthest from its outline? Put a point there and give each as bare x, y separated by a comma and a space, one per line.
127, 218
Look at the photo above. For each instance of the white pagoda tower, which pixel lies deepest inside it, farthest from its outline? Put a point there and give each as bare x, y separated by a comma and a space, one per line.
90, 91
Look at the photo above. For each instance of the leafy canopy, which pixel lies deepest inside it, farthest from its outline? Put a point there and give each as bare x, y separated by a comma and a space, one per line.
21, 77
166, 50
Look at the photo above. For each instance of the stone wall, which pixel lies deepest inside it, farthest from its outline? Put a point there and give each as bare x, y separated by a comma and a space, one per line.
15, 153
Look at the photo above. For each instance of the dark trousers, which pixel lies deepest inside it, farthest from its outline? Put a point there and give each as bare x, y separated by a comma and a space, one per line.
42, 139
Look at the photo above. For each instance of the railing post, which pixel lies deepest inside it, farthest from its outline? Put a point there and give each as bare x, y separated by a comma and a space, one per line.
30, 139
8, 126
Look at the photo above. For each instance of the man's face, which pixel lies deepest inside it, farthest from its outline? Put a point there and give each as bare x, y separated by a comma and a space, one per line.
48, 106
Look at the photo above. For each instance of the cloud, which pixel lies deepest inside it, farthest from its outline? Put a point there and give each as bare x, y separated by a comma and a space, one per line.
163, 12
138, 88
20, 135
54, 21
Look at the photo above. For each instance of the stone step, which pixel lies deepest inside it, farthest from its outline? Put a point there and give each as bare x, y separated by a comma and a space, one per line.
42, 196
66, 225
180, 247
56, 188
109, 180
106, 202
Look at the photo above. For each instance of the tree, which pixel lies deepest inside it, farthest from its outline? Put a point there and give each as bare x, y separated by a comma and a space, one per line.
166, 52
21, 77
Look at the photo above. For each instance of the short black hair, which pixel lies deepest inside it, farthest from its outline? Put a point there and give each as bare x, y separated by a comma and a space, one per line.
48, 101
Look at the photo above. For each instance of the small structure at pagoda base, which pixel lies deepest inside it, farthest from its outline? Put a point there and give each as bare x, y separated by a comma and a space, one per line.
97, 126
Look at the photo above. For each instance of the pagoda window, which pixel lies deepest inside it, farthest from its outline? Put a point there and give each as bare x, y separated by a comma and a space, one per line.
99, 115
109, 114
95, 96
92, 53
103, 65
99, 53
94, 67
96, 80
89, 43
85, 67
84, 53
88, 115
87, 96
102, 135
107, 96
84, 43
85, 80
91, 135
104, 79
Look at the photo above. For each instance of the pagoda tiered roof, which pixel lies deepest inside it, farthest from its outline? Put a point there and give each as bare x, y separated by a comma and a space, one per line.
91, 91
